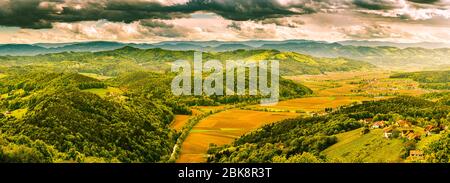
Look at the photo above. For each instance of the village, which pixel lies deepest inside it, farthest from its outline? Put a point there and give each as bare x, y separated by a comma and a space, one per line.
405, 130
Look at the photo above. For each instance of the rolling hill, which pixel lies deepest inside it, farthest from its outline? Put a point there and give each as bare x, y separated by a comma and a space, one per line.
128, 58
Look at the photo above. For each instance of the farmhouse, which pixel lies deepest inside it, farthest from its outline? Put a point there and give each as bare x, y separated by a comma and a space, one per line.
378, 124
431, 129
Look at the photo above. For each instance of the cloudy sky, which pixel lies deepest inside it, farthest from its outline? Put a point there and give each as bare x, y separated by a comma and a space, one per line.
31, 21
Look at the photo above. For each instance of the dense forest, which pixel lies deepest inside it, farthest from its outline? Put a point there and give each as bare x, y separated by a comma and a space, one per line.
74, 125
302, 139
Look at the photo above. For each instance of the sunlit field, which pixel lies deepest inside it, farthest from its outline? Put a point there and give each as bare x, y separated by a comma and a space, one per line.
222, 128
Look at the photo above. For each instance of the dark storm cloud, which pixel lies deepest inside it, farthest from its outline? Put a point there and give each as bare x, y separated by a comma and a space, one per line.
294, 23
424, 1
38, 14
234, 25
154, 24
246, 9
23, 13
374, 4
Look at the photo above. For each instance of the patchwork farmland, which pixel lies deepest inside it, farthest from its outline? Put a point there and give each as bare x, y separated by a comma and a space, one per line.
331, 90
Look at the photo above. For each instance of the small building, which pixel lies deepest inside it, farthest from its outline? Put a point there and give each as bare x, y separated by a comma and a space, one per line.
378, 124
7, 112
416, 154
406, 131
431, 129
388, 132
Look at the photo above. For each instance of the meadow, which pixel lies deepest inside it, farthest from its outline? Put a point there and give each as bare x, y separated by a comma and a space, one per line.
353, 147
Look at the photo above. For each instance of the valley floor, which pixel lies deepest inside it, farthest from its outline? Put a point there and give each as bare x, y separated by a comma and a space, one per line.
331, 90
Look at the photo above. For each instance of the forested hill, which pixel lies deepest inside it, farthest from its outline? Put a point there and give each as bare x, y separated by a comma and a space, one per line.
72, 125
128, 59
304, 139
51, 116
143, 84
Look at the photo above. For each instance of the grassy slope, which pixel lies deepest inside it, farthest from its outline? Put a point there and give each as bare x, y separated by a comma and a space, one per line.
371, 147
424, 142
102, 92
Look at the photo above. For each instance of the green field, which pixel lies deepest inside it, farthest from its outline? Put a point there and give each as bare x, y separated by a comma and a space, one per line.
19, 113
103, 92
96, 76
371, 147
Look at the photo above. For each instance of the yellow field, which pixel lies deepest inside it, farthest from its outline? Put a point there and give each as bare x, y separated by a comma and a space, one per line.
18, 113
96, 76
213, 109
313, 104
223, 128
179, 122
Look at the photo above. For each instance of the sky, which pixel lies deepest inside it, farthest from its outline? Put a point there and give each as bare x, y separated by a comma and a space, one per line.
53, 21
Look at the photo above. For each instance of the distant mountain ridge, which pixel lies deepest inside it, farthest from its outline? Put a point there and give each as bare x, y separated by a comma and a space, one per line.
383, 54
428, 45
301, 46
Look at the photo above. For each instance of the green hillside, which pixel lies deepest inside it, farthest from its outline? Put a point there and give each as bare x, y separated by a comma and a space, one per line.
81, 126
352, 146
128, 59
